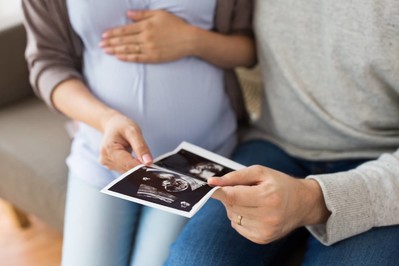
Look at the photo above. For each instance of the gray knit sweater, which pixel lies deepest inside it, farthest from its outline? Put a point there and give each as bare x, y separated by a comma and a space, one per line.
331, 77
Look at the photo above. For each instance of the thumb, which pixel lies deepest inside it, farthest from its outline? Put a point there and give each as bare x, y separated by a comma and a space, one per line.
138, 15
246, 176
219, 195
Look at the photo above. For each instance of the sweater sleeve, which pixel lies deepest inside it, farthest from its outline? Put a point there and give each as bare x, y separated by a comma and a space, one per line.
359, 199
242, 18
234, 16
51, 53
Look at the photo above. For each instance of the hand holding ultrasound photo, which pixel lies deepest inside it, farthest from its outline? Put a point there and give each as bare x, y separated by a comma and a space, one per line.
176, 182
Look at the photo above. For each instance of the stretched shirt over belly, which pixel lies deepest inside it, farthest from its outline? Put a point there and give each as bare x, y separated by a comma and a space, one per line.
172, 102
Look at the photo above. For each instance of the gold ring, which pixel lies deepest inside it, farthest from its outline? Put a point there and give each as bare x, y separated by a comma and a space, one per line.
138, 48
239, 219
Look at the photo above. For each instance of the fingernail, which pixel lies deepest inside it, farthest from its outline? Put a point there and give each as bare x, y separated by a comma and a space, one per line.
108, 51
147, 159
216, 179
105, 35
131, 13
212, 180
102, 44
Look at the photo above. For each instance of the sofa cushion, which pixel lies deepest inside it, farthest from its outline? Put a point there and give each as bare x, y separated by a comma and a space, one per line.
33, 148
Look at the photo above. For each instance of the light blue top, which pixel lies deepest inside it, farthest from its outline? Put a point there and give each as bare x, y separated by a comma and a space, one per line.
172, 102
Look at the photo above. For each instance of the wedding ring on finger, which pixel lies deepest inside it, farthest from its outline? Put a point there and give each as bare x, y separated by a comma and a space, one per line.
137, 48
239, 220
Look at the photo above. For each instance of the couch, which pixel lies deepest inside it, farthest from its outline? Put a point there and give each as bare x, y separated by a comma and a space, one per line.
33, 139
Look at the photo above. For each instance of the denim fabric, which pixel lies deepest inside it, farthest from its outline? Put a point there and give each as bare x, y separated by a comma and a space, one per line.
208, 238
379, 246
104, 230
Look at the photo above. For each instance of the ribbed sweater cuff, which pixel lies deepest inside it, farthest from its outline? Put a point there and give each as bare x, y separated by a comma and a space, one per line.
347, 198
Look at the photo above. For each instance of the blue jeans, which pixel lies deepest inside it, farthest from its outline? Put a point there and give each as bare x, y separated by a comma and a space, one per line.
104, 230
208, 238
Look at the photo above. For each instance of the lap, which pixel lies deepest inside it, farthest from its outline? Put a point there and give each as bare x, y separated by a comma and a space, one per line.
208, 238
267, 154
155, 234
379, 246
104, 230
98, 228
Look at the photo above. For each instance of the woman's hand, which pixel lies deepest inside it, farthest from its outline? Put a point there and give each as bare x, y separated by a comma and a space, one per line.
156, 36
121, 136
265, 205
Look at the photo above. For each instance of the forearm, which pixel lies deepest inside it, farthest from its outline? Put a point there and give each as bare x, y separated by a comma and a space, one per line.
226, 51
73, 99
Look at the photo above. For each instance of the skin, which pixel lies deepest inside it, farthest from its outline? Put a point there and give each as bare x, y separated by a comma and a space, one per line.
121, 135
163, 37
271, 203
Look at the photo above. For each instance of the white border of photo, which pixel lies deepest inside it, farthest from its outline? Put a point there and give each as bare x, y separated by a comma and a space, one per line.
183, 146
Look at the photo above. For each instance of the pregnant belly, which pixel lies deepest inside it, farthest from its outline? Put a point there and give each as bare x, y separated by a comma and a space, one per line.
172, 102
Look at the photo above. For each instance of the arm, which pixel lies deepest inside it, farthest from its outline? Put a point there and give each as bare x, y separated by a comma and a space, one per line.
226, 51
158, 36
54, 71
332, 206
120, 134
360, 199
50, 52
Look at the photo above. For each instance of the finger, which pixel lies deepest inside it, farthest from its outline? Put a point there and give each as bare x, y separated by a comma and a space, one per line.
129, 57
105, 161
252, 218
247, 176
136, 58
122, 160
130, 29
124, 49
252, 229
250, 212
241, 224
219, 195
139, 145
250, 233
244, 196
138, 15
119, 40
242, 220
112, 166
118, 160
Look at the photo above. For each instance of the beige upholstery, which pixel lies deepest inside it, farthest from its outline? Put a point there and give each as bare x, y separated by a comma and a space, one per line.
33, 141
33, 148
251, 83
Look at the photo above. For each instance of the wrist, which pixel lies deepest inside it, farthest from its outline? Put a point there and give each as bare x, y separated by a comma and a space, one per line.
106, 115
315, 209
195, 42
